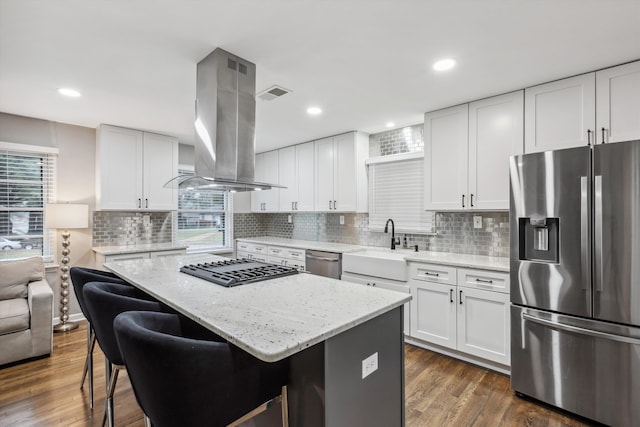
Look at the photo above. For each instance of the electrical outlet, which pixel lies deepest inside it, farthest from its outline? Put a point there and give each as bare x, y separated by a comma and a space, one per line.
341, 219
370, 365
477, 221
289, 219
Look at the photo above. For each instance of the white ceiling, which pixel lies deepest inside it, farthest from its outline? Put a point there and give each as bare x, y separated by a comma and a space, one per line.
365, 62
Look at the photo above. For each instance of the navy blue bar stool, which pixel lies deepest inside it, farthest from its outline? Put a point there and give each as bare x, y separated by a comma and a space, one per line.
80, 276
184, 377
104, 301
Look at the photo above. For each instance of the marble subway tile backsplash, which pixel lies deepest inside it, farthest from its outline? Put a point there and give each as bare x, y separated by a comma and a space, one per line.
131, 228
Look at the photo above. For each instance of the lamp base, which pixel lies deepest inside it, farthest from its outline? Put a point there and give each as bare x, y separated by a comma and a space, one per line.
65, 327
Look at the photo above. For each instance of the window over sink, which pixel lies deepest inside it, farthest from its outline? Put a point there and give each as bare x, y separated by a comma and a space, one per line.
205, 219
27, 184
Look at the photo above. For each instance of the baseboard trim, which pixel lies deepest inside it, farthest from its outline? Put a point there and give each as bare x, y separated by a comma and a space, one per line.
503, 369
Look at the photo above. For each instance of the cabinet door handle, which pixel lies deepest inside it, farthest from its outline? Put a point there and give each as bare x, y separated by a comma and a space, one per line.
484, 280
472, 200
334, 205
426, 273
296, 205
139, 203
588, 136
463, 200
603, 132
451, 295
146, 203
460, 297
373, 284
292, 208
329, 204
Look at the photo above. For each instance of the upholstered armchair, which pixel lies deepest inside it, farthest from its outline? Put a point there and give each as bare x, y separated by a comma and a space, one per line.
26, 310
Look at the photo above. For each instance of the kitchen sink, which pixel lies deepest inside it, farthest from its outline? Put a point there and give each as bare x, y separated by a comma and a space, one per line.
378, 262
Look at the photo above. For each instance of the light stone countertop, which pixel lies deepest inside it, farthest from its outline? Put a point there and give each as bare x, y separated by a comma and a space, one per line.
130, 249
444, 258
272, 319
460, 260
304, 244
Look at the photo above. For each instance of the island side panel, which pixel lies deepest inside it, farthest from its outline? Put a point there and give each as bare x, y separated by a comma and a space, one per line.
377, 399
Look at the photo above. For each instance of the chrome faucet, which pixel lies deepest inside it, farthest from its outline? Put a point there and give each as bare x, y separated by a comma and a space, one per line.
393, 233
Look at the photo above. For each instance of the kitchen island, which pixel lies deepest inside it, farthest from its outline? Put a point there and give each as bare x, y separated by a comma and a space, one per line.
344, 342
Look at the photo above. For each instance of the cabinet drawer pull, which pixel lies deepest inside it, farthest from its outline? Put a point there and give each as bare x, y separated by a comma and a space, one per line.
484, 280
426, 273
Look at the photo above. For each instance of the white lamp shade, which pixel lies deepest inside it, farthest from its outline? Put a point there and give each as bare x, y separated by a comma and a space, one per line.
66, 215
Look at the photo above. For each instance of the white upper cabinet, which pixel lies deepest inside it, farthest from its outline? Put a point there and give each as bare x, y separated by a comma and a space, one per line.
560, 114
160, 164
588, 109
266, 170
618, 103
132, 166
340, 176
445, 156
467, 149
296, 172
495, 133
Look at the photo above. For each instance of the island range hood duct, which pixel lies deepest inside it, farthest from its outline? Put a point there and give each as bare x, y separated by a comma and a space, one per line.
225, 126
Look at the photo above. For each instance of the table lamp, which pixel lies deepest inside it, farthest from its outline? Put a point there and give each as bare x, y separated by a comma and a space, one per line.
65, 216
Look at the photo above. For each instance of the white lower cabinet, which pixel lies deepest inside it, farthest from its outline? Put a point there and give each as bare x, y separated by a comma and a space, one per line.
101, 258
281, 255
391, 285
469, 315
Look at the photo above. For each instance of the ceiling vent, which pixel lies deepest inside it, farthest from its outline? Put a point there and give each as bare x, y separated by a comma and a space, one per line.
272, 93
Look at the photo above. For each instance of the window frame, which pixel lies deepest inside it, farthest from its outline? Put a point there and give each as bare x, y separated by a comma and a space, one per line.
49, 190
228, 220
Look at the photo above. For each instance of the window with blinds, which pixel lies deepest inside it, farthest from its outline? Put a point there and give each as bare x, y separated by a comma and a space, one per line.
396, 191
27, 184
205, 218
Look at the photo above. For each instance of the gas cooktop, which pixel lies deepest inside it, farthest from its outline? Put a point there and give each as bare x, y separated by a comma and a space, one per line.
236, 272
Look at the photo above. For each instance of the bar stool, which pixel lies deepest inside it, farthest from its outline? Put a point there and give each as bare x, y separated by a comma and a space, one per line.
194, 381
80, 276
104, 302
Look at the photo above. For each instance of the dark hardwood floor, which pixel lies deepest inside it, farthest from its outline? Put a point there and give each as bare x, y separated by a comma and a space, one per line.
440, 391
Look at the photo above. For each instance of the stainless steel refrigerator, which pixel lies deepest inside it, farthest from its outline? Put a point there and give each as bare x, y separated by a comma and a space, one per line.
575, 280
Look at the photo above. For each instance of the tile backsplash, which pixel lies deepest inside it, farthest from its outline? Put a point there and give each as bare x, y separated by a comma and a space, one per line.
130, 228
454, 231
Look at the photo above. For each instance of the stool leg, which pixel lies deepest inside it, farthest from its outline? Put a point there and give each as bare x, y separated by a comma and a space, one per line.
285, 406
88, 363
108, 403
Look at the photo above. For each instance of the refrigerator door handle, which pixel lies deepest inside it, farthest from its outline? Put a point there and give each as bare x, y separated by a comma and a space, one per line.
584, 232
579, 330
598, 264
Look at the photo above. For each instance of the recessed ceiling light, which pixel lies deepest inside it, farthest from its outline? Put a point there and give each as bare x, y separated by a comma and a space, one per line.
314, 111
444, 64
72, 93
390, 124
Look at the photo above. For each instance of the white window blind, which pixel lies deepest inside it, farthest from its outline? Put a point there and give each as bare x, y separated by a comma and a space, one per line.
27, 184
396, 191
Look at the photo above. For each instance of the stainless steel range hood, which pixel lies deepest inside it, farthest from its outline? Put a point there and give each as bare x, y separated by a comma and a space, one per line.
225, 126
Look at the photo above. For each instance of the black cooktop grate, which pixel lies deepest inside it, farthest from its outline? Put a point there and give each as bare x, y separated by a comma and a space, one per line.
236, 272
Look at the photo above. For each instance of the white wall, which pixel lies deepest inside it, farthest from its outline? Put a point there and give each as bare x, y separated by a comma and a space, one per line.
75, 179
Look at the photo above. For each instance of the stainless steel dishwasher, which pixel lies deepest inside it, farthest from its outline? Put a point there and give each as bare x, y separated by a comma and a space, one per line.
328, 264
